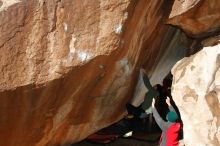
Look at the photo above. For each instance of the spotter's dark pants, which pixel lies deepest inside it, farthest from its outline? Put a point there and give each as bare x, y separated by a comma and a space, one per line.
136, 111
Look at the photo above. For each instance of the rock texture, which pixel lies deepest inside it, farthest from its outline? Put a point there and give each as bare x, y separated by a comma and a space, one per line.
196, 91
196, 78
68, 67
198, 18
46, 38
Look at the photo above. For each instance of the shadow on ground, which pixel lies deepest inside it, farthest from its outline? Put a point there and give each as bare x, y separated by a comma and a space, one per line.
141, 134
119, 142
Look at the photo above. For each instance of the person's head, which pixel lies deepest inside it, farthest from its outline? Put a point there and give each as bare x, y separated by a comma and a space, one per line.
159, 88
172, 117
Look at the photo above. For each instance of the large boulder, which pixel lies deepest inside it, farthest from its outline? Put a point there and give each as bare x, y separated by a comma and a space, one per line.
198, 18
196, 91
68, 67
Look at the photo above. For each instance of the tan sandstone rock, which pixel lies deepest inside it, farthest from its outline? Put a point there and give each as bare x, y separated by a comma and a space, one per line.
68, 67
197, 18
196, 91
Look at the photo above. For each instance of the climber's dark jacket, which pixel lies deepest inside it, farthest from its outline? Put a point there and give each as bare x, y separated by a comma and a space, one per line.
149, 95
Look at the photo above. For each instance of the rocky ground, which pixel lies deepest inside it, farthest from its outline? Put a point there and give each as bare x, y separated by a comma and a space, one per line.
120, 142
123, 142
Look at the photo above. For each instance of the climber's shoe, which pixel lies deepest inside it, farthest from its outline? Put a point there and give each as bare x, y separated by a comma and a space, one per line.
128, 134
129, 116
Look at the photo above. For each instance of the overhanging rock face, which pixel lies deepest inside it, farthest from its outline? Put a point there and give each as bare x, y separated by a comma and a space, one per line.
68, 67
47, 38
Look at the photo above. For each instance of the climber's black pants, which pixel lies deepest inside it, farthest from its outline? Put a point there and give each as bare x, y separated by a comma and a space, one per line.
136, 111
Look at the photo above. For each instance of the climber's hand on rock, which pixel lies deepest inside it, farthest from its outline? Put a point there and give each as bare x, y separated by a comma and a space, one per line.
153, 103
168, 101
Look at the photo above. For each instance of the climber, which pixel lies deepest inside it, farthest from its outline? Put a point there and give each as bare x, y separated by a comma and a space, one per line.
171, 128
145, 107
144, 110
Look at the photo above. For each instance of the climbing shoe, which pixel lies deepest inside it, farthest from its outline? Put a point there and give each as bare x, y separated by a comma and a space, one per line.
129, 116
128, 134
